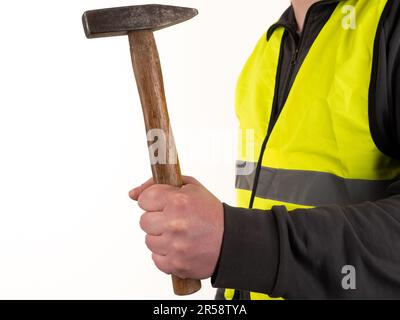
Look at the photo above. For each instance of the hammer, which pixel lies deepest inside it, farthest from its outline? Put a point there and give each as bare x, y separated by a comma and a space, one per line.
138, 23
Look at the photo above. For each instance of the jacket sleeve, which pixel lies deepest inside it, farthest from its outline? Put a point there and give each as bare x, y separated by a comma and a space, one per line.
384, 112
303, 254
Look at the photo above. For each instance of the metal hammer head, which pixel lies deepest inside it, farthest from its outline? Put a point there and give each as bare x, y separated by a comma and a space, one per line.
119, 21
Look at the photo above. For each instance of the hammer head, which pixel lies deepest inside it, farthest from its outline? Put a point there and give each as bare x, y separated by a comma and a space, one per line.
120, 21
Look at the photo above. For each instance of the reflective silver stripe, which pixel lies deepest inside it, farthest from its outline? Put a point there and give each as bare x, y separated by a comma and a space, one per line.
312, 188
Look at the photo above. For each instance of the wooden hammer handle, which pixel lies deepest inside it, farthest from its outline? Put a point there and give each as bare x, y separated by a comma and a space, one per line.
149, 79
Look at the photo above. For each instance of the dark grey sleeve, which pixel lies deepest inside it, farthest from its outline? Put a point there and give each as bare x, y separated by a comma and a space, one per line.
384, 111
249, 242
302, 254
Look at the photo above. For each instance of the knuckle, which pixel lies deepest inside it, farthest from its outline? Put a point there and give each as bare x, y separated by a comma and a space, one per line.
178, 226
180, 201
180, 249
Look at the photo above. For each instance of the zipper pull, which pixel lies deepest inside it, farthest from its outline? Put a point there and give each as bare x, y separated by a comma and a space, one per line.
294, 57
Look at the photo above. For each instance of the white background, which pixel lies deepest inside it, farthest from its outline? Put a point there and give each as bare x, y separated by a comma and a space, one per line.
72, 141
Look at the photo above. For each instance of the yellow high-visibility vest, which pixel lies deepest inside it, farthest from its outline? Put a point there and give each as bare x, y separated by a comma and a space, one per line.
320, 151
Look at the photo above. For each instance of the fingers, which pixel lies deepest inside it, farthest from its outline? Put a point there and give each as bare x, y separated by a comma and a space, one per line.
168, 266
135, 193
161, 263
155, 197
153, 223
169, 255
157, 245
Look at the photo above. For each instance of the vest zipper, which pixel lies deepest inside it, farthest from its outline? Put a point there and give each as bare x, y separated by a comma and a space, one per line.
275, 112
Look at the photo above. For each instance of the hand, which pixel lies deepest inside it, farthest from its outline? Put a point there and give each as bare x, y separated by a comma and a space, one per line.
184, 227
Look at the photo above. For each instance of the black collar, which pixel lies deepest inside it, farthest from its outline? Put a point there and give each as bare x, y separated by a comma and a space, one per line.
288, 19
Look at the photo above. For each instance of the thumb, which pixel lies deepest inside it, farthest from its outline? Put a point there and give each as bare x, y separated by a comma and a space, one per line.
191, 180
